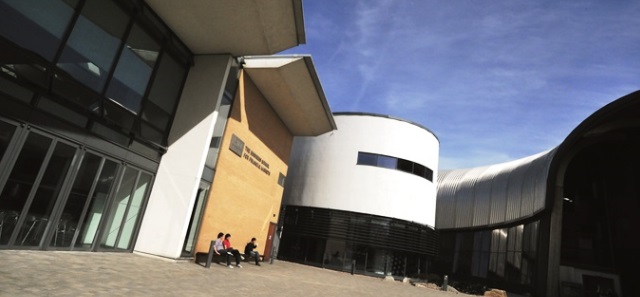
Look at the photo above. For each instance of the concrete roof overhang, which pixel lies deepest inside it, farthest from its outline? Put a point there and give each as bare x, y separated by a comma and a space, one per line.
236, 27
291, 86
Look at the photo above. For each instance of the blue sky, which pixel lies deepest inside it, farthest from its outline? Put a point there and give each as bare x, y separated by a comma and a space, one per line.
494, 80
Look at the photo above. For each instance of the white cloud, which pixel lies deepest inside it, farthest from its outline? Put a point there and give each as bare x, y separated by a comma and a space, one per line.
494, 80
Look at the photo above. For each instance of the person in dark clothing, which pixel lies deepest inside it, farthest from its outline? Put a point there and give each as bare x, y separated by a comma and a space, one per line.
249, 250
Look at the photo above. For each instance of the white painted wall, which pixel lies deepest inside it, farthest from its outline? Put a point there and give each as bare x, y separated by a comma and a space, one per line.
168, 211
323, 171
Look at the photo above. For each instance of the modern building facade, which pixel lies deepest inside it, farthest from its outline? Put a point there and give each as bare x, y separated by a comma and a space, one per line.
559, 223
120, 120
149, 126
362, 197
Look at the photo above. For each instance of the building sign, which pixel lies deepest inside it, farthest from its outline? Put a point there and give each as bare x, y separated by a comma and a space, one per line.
237, 145
256, 160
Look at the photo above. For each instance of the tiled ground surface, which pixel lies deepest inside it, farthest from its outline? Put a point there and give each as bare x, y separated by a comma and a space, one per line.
37, 273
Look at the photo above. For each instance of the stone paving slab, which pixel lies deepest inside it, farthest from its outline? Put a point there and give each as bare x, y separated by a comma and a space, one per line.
46, 273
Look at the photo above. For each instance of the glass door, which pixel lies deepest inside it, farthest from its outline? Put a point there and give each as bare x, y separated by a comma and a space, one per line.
30, 191
94, 206
194, 223
37, 211
56, 195
82, 209
124, 211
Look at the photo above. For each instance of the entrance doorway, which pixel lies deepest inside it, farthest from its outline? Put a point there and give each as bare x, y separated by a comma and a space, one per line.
269, 244
194, 223
56, 194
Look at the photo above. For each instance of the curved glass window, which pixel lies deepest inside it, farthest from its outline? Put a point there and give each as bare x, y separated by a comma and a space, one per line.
383, 161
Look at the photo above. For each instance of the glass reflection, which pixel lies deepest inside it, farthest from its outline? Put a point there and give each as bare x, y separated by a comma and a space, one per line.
134, 69
37, 25
133, 212
94, 42
67, 225
118, 208
164, 92
96, 205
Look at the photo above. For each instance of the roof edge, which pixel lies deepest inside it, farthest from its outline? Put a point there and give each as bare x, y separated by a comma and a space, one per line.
298, 15
355, 113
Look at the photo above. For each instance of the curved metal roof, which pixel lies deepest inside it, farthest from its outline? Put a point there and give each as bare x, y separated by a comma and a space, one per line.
508, 192
491, 195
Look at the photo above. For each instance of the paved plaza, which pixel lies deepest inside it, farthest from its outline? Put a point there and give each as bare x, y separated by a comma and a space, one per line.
38, 273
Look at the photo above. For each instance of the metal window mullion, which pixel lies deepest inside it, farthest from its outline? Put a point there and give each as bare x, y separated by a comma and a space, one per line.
63, 43
167, 129
13, 151
67, 32
150, 83
116, 58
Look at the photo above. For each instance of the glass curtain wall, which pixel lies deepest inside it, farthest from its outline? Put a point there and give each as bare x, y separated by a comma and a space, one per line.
112, 62
364, 244
56, 195
504, 256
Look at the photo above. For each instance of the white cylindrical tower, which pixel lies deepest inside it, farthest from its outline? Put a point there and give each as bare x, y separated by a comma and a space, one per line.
372, 164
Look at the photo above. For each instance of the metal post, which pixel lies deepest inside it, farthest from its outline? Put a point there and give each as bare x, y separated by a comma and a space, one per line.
386, 262
353, 266
405, 266
324, 259
445, 283
366, 259
210, 255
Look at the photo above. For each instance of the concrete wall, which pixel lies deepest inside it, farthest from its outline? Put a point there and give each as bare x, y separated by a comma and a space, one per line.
244, 198
168, 211
323, 171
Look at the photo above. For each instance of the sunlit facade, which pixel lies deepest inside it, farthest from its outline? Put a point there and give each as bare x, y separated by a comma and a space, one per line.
362, 197
117, 116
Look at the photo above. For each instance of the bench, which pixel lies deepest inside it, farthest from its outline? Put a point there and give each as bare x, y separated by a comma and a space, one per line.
247, 258
205, 259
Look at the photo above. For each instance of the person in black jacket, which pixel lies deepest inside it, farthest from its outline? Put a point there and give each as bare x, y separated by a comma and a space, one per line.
249, 250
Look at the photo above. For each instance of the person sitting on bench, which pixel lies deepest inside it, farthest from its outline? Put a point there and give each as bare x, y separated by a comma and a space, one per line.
218, 247
229, 249
249, 250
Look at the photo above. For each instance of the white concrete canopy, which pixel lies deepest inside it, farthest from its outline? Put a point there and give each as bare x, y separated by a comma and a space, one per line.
237, 27
291, 86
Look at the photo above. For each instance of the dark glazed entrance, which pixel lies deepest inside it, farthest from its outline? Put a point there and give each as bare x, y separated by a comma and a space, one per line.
55, 194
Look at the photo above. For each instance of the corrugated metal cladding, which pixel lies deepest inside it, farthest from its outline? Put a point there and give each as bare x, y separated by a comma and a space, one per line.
491, 195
